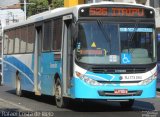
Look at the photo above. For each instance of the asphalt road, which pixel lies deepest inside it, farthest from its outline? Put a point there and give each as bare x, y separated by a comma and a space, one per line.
14, 106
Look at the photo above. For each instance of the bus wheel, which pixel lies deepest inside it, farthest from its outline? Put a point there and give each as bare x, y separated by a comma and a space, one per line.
60, 101
18, 86
127, 104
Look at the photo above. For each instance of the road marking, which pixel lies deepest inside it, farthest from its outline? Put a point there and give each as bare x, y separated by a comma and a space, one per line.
17, 105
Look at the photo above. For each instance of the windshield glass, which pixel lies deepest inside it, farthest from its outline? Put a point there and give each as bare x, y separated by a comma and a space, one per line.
115, 43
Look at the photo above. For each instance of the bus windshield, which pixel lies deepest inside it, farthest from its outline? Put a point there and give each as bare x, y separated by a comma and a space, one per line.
115, 43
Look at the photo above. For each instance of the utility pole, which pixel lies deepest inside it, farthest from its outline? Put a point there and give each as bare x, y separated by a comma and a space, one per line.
25, 10
49, 2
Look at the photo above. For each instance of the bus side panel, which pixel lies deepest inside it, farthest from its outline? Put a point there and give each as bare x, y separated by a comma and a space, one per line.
48, 68
9, 74
23, 64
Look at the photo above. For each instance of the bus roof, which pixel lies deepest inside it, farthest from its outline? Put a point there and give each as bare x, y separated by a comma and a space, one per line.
65, 10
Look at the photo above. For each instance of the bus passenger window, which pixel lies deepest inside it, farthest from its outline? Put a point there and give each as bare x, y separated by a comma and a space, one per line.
17, 41
23, 40
47, 36
11, 42
5, 48
57, 34
31, 38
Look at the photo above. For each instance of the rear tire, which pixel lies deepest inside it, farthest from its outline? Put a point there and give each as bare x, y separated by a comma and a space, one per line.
18, 86
61, 102
127, 104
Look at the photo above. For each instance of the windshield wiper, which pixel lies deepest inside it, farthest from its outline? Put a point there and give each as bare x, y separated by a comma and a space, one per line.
106, 35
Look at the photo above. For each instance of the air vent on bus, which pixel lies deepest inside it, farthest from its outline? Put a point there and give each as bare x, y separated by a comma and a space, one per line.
119, 82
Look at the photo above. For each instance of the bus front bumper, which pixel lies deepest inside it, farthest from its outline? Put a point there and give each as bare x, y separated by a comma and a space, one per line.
82, 90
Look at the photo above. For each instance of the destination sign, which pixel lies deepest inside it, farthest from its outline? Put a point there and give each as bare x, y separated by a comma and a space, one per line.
115, 12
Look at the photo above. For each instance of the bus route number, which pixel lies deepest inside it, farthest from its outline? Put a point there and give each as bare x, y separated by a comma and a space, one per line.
98, 11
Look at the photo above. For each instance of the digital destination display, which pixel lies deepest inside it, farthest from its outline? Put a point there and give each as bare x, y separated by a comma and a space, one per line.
115, 12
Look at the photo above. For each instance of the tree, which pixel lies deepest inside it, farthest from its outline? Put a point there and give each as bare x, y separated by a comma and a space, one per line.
57, 3
37, 6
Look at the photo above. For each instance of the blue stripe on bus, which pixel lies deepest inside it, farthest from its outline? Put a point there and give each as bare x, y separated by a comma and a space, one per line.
103, 77
21, 66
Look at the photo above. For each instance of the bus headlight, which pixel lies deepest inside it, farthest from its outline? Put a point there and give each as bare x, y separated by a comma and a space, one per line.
88, 80
149, 80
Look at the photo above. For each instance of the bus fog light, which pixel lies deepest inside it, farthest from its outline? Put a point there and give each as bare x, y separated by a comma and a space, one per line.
88, 80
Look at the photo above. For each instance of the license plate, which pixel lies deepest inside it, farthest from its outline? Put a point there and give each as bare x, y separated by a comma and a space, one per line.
120, 91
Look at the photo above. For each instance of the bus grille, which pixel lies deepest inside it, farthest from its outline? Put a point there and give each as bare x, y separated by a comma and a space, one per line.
119, 82
118, 70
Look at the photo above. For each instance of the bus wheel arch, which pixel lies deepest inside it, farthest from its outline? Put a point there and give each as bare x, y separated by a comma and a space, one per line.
58, 92
18, 84
56, 77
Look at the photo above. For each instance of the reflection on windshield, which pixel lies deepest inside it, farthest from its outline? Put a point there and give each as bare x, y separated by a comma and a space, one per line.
114, 44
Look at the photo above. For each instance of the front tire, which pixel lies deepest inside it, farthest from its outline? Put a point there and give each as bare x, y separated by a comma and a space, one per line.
18, 86
127, 104
61, 102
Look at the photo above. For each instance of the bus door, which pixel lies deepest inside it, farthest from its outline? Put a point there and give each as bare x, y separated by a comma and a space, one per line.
67, 69
37, 56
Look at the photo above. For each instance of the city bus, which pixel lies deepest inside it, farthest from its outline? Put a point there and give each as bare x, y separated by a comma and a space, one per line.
98, 51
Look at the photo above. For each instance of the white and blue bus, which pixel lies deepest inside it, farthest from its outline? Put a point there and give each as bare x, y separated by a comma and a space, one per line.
102, 51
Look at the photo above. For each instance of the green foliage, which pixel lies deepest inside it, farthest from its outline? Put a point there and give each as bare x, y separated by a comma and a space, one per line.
57, 3
37, 6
